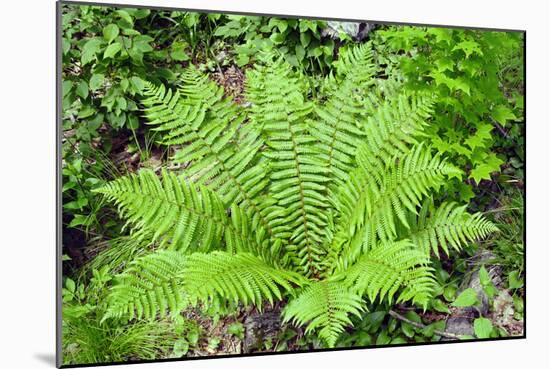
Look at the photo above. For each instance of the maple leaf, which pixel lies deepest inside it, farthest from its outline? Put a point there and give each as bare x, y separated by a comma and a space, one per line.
483, 134
502, 114
484, 169
468, 47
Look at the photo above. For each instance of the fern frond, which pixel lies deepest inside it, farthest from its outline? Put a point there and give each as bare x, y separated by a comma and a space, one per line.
297, 175
392, 130
448, 225
325, 306
387, 267
151, 285
340, 127
176, 213
222, 152
405, 182
238, 277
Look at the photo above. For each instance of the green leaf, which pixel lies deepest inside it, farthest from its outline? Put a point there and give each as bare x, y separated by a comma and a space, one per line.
468, 297
181, 347
96, 81
137, 83
440, 306
82, 89
70, 285
514, 280
483, 171
300, 52
407, 329
112, 50
305, 38
90, 49
178, 51
483, 327
468, 47
123, 14
503, 114
236, 329
383, 338
110, 32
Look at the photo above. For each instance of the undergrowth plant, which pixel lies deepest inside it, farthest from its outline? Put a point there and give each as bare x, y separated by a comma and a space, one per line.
327, 205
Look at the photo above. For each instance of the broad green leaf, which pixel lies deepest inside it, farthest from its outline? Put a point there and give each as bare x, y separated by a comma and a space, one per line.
123, 14
137, 83
96, 81
112, 50
440, 306
483, 327
300, 52
407, 329
305, 38
82, 89
110, 32
90, 49
468, 297
178, 51
514, 280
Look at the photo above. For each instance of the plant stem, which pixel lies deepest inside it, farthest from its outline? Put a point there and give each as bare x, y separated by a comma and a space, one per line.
422, 326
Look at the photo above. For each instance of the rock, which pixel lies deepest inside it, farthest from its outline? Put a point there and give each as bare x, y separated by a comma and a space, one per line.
358, 31
260, 327
461, 320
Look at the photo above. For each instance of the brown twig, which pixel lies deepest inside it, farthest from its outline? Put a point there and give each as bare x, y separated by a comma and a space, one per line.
422, 326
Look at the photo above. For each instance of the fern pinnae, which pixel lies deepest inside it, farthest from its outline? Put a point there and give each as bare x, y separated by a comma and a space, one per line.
325, 306
386, 268
296, 173
150, 285
448, 225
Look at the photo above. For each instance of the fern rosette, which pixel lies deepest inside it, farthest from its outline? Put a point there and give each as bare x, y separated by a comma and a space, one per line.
327, 205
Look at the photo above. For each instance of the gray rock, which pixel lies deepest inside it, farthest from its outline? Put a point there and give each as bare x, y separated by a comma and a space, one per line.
358, 31
462, 321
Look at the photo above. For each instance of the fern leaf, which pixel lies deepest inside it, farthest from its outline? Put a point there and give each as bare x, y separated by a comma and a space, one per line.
448, 225
325, 306
340, 128
177, 214
386, 268
297, 176
151, 285
392, 130
239, 277
222, 151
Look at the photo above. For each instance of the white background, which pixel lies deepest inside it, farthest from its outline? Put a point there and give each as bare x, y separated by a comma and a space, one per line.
27, 182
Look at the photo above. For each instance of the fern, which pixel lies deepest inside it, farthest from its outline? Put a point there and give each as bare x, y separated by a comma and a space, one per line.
241, 278
448, 225
150, 285
322, 204
327, 306
383, 270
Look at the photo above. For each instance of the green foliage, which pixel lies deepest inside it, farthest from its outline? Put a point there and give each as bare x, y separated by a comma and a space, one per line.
463, 68
326, 306
312, 202
87, 340
299, 41
468, 297
483, 328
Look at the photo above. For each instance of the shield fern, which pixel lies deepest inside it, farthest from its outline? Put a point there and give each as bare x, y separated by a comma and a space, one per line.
323, 204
